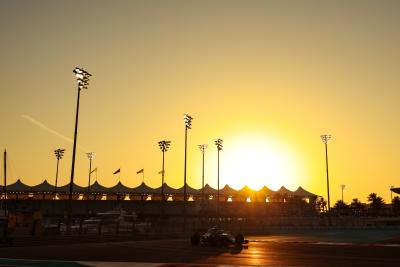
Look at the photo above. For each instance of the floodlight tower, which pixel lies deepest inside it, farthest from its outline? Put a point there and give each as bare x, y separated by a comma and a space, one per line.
202, 148
218, 143
59, 152
342, 186
188, 125
164, 146
5, 184
82, 77
325, 138
91, 156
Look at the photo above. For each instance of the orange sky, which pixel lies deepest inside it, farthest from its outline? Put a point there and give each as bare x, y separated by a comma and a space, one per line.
268, 77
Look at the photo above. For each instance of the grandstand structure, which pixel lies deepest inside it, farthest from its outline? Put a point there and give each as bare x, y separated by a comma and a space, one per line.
143, 192
395, 190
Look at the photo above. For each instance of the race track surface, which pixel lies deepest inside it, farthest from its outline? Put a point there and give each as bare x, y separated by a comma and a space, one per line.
260, 251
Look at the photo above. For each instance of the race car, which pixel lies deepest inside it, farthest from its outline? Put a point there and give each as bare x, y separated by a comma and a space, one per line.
217, 238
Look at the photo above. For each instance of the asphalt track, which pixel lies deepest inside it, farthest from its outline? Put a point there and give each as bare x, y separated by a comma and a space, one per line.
260, 251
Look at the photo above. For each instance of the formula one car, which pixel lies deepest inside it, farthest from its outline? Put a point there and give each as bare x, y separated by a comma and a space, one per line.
217, 238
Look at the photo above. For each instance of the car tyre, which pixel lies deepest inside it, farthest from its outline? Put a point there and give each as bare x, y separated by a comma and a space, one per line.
239, 238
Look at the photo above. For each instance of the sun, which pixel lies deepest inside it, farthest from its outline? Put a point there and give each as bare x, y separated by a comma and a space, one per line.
256, 161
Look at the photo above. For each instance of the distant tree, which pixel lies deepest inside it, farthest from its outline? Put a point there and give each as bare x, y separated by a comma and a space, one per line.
376, 203
356, 206
371, 197
396, 205
355, 203
321, 204
341, 205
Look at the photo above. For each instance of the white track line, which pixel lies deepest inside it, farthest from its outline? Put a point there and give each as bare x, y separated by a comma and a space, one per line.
144, 264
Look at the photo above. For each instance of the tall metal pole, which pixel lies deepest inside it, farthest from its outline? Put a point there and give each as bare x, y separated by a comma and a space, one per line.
202, 181
325, 138
188, 123
218, 189
5, 183
327, 174
83, 82
164, 145
162, 179
202, 148
342, 193
90, 157
73, 162
90, 173
55, 185
342, 186
184, 182
218, 143
59, 152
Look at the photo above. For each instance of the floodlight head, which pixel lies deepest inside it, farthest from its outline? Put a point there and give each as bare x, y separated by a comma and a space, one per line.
82, 77
91, 155
325, 138
164, 145
59, 152
167, 144
77, 71
203, 147
188, 121
218, 143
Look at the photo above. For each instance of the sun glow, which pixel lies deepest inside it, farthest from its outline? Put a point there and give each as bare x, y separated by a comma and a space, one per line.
257, 161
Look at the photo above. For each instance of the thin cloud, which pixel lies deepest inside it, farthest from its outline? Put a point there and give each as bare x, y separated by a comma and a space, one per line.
47, 129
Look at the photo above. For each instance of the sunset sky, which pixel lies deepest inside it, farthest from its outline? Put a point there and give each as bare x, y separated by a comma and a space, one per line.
267, 77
